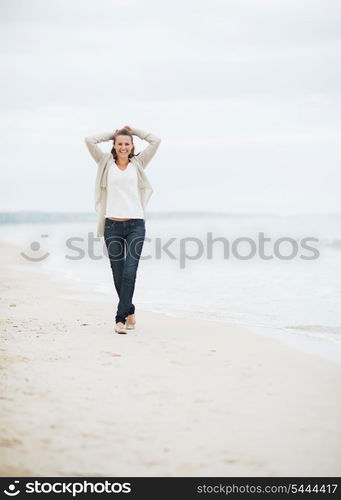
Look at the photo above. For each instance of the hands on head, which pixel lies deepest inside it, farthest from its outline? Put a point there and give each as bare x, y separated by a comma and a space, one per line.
130, 129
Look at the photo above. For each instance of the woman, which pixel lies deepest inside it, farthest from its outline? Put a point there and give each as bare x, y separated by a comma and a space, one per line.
121, 195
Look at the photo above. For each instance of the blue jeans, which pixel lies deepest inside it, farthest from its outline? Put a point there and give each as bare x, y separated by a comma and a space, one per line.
124, 241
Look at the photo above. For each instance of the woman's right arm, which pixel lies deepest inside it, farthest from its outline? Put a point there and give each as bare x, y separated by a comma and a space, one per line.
93, 140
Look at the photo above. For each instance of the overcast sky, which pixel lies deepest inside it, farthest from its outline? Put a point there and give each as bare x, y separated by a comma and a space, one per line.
244, 94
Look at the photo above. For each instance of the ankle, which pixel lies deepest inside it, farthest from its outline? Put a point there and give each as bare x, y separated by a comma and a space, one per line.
131, 318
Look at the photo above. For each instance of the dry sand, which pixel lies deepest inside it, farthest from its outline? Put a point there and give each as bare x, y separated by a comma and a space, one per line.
177, 397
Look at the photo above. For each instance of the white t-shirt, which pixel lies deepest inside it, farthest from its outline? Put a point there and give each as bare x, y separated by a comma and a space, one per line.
123, 200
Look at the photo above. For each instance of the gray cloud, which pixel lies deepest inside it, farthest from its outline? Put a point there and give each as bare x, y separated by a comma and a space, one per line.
243, 93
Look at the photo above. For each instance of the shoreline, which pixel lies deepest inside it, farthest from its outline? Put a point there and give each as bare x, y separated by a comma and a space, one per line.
306, 343
303, 342
176, 397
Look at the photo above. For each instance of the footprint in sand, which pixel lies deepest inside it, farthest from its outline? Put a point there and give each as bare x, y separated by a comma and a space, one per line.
230, 460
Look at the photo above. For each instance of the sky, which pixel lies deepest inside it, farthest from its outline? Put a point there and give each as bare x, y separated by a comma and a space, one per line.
245, 95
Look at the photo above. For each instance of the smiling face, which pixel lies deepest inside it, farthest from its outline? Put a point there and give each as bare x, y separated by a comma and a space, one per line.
123, 146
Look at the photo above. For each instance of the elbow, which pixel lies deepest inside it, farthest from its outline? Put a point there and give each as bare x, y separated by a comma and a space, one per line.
153, 139
89, 140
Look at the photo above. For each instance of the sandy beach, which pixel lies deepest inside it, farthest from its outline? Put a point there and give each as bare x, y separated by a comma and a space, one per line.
176, 397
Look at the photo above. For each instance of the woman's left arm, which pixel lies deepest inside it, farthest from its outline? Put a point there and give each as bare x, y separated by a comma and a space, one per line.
147, 154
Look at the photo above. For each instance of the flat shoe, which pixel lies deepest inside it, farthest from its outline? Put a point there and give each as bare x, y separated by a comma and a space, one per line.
120, 329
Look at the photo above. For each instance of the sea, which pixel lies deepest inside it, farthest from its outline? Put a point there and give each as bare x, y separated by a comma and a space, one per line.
274, 274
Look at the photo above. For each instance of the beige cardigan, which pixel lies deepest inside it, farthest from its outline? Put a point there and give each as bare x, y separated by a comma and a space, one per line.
103, 160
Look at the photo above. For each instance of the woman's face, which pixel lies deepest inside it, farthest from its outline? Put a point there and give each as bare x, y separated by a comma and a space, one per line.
123, 146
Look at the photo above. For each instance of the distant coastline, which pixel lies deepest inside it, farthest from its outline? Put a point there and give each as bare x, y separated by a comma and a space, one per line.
32, 216
24, 216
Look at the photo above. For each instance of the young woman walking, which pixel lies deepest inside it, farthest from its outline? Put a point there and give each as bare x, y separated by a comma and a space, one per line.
121, 195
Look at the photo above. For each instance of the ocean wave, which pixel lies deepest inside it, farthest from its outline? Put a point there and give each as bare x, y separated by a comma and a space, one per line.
335, 244
334, 330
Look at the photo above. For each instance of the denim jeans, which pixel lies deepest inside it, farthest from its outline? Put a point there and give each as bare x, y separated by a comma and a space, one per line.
124, 241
